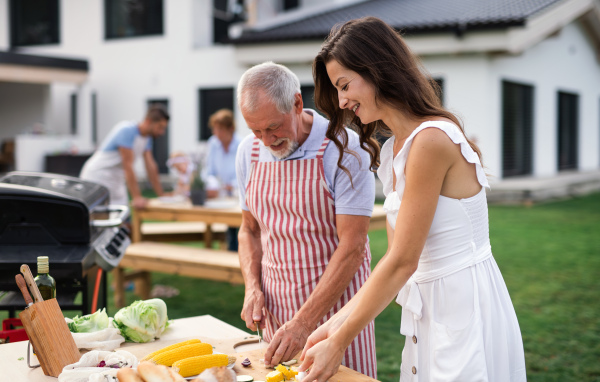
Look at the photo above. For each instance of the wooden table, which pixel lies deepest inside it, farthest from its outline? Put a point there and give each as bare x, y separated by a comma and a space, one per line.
209, 329
231, 216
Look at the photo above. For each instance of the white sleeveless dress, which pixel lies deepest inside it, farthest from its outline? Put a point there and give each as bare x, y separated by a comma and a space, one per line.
457, 316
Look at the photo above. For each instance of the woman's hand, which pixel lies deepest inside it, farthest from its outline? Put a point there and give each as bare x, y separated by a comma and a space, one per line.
323, 358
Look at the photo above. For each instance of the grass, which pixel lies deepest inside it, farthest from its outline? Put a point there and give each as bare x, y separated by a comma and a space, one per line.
549, 255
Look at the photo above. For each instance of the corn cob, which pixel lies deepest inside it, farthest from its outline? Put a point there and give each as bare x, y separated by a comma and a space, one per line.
274, 376
171, 347
287, 373
167, 358
196, 365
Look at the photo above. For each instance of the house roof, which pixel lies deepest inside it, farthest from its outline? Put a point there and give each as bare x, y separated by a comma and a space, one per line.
410, 16
17, 67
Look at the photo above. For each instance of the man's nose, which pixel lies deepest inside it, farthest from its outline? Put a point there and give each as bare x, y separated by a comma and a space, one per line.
268, 139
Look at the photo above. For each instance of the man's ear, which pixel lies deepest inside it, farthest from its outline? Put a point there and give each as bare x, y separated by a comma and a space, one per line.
298, 103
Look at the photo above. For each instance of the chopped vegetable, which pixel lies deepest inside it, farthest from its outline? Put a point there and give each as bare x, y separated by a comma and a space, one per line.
274, 376
246, 362
245, 378
90, 322
290, 362
142, 321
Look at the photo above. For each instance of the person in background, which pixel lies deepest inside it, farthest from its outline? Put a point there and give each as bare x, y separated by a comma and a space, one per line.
220, 163
304, 249
457, 315
112, 164
184, 167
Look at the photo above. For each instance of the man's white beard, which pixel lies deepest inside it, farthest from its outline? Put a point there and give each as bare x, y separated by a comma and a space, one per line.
282, 154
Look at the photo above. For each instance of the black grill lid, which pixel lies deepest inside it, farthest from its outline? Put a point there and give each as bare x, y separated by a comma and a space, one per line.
47, 209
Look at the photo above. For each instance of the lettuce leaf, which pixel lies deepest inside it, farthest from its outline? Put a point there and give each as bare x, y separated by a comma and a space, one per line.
90, 322
142, 321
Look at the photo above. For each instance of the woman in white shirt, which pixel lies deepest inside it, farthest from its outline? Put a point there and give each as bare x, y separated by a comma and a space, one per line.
457, 316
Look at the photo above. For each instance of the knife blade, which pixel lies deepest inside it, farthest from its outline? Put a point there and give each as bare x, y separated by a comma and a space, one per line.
258, 331
37, 296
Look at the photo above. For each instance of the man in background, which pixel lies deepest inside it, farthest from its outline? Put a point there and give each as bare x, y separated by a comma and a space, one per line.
112, 164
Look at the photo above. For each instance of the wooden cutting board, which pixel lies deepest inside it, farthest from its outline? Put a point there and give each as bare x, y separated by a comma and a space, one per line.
257, 370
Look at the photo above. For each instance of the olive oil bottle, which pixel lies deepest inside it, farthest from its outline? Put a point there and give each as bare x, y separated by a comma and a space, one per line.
43, 280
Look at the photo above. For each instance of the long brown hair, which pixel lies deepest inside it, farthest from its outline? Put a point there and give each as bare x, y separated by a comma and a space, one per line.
375, 51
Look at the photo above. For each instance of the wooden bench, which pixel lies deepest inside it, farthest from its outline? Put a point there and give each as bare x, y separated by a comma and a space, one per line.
146, 257
183, 231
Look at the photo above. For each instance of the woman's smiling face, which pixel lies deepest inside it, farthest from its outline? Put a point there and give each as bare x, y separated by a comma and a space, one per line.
354, 93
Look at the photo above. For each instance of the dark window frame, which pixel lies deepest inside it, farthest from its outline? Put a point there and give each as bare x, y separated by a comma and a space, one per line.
109, 34
15, 31
518, 128
73, 104
567, 137
204, 111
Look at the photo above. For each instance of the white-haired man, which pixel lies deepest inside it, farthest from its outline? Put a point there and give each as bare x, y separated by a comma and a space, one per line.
303, 242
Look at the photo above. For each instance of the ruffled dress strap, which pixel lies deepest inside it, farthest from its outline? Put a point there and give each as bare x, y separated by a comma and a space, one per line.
455, 134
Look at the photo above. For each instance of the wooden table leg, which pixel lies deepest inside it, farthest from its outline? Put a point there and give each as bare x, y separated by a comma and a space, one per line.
143, 284
208, 236
119, 281
136, 227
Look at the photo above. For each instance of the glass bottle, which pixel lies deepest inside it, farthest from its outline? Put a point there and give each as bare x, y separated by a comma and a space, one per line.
43, 280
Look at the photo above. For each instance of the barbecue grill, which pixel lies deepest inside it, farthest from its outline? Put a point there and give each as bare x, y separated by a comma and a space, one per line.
67, 219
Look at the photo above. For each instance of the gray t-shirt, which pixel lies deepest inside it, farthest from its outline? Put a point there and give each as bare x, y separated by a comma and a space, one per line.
348, 200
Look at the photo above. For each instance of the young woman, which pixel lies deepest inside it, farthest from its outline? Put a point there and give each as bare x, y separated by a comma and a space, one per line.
457, 315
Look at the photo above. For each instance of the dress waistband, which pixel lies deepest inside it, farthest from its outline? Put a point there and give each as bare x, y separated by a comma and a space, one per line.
409, 296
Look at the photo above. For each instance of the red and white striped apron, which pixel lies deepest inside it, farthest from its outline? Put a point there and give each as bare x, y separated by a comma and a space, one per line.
295, 210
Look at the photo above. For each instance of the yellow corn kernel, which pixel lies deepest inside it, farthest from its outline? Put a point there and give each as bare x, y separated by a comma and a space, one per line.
283, 370
170, 347
196, 365
274, 376
167, 358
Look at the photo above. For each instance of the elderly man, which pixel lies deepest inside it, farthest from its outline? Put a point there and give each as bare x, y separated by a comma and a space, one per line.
303, 242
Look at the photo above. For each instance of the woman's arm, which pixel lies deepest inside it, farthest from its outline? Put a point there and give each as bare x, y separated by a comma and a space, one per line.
429, 159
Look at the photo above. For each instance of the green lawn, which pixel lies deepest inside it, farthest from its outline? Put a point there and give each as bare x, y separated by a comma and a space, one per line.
549, 255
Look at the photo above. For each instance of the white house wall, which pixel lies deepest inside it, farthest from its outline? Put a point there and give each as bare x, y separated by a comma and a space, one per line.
564, 62
23, 106
470, 93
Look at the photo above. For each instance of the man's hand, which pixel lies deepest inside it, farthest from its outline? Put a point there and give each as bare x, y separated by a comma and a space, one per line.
139, 202
254, 302
287, 342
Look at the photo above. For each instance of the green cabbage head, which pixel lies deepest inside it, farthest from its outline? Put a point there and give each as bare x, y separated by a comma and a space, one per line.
142, 321
90, 322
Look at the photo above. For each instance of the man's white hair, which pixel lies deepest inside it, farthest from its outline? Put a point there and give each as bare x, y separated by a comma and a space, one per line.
277, 82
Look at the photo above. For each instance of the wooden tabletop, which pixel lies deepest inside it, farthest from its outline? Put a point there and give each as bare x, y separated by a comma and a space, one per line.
220, 211
224, 337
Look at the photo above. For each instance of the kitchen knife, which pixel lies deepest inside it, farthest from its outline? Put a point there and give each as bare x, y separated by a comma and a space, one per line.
23, 287
37, 296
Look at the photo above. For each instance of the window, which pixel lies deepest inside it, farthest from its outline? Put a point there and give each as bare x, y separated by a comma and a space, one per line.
131, 18
568, 120
440, 84
517, 129
160, 146
308, 96
211, 100
74, 113
94, 119
225, 13
289, 4
34, 22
